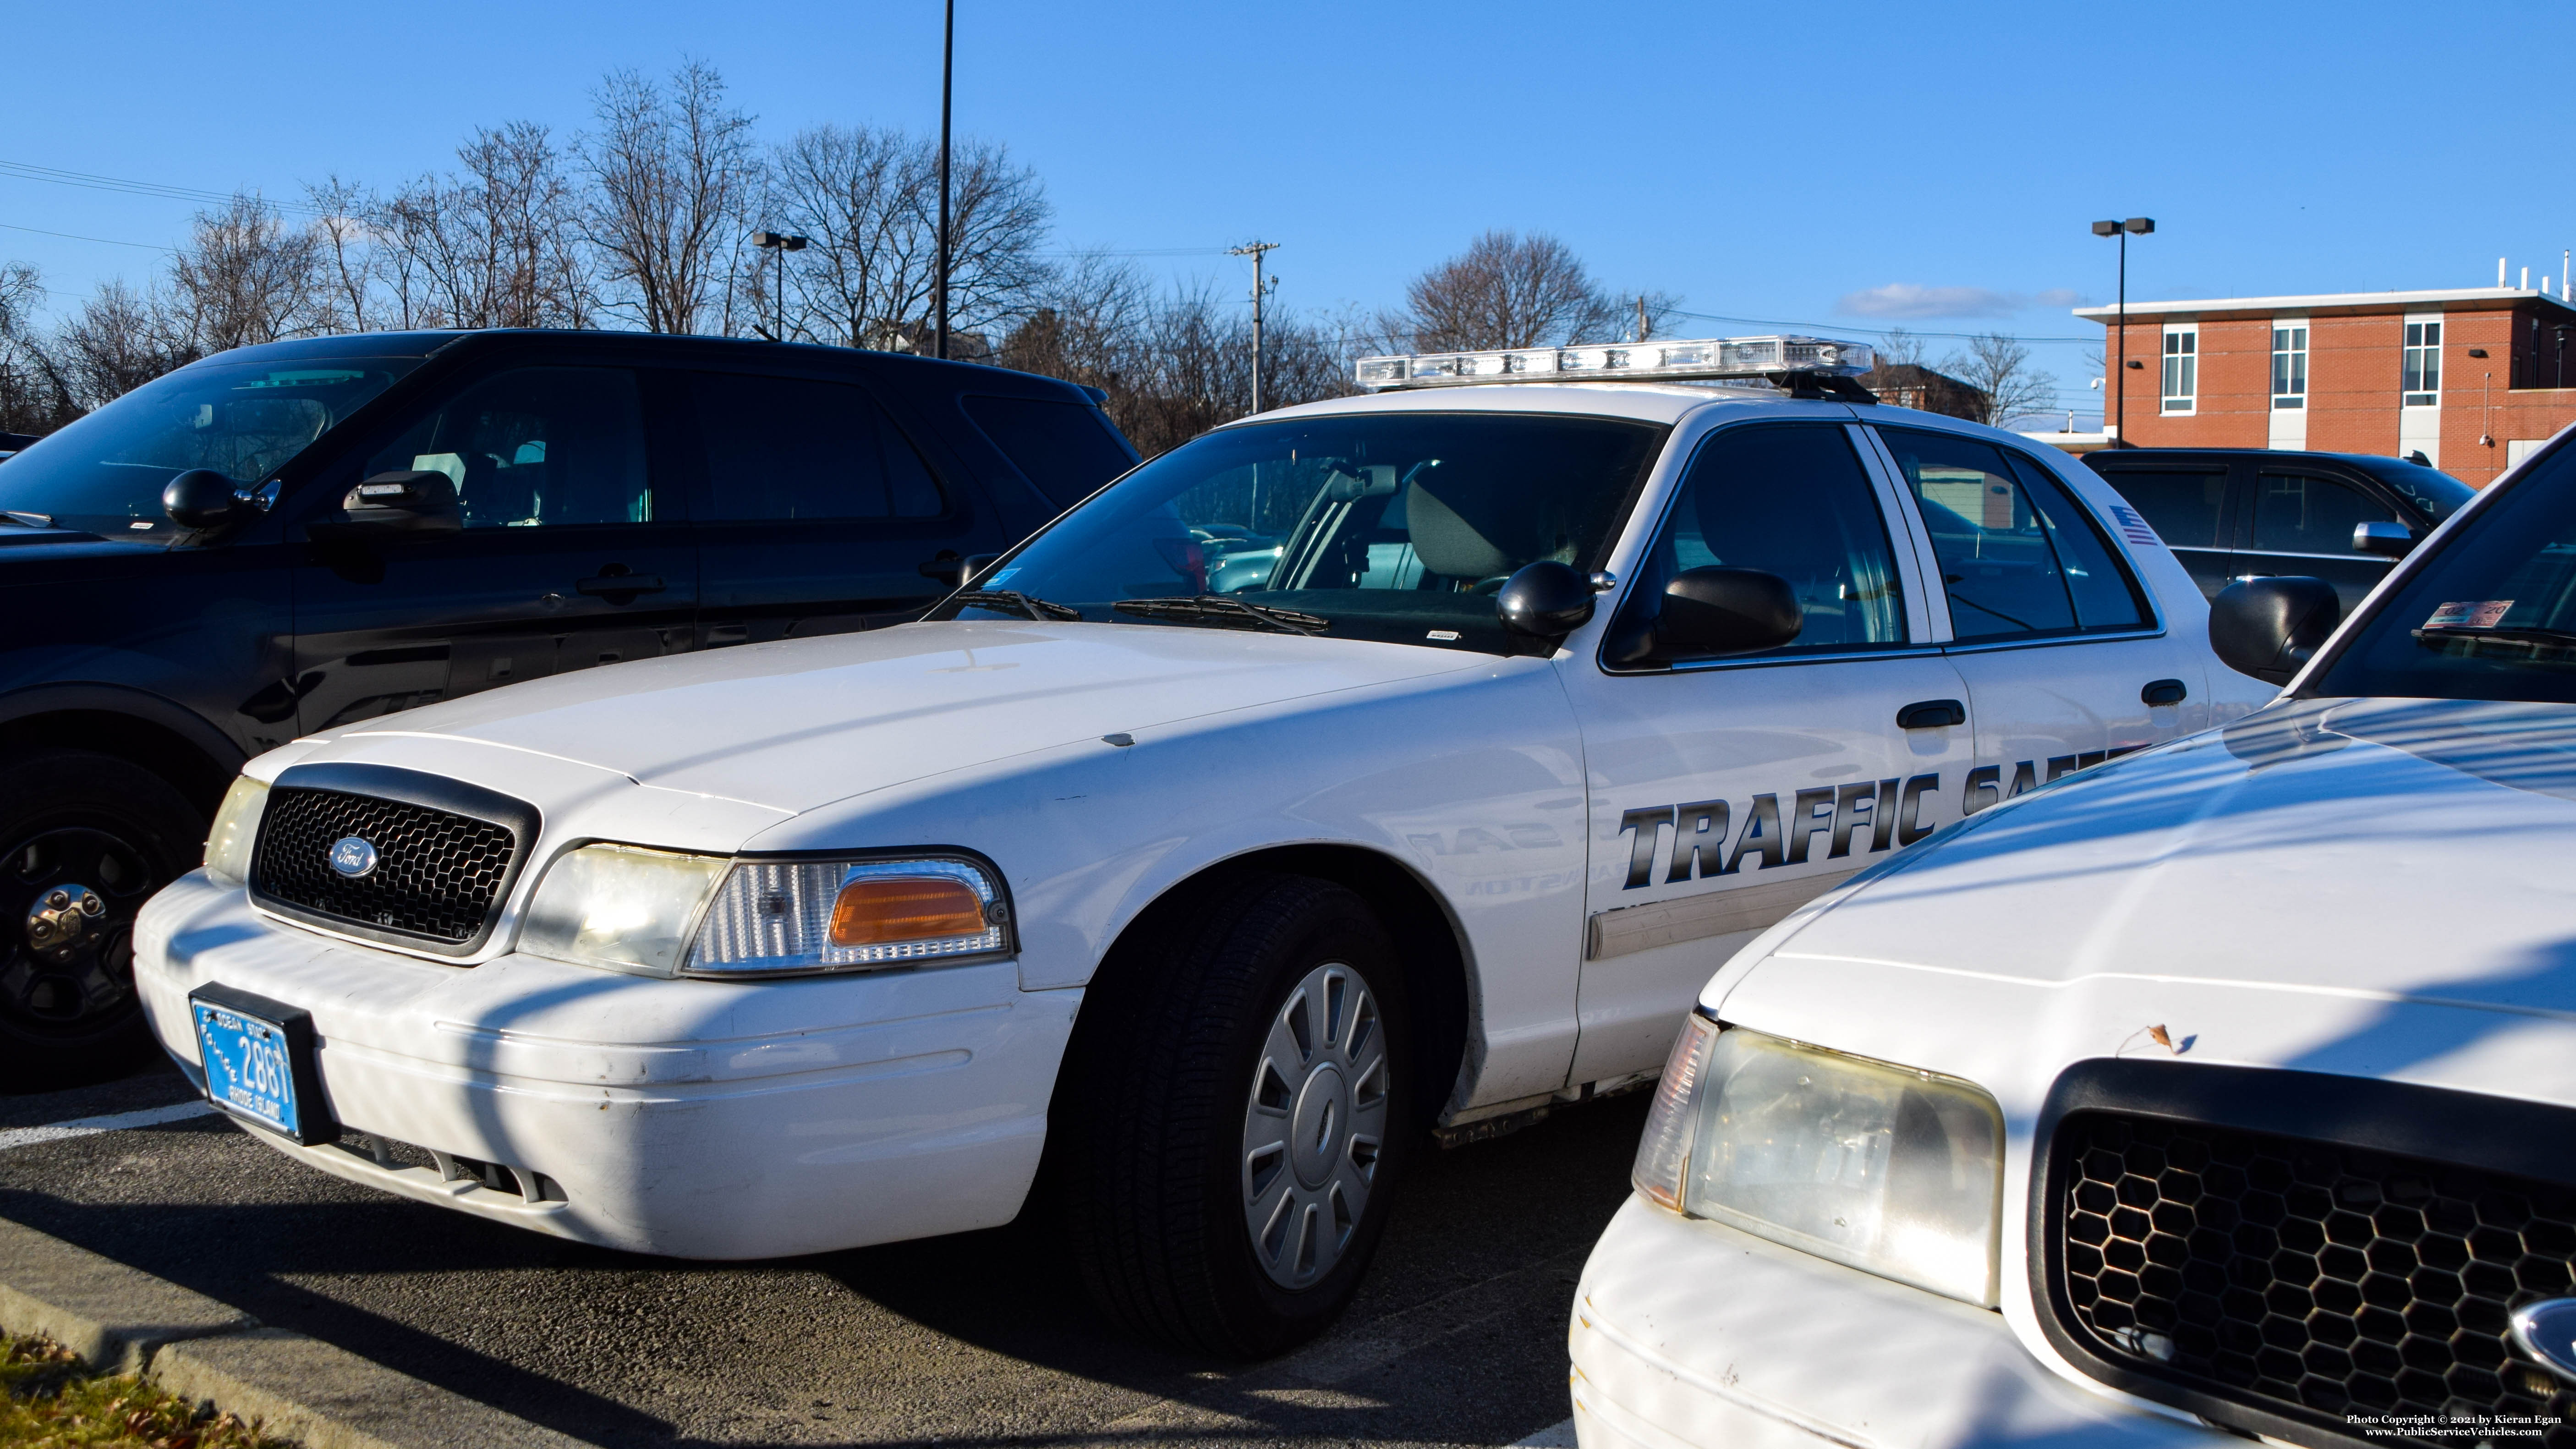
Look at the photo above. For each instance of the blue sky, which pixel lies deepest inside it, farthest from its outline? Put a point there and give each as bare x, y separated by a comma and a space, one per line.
1846, 168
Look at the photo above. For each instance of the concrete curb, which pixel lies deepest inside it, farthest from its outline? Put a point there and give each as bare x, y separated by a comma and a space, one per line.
124, 1320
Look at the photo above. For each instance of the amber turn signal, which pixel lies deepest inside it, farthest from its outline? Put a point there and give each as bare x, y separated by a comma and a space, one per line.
882, 910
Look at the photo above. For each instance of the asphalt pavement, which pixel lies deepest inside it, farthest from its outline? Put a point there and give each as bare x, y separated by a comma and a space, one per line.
1457, 1338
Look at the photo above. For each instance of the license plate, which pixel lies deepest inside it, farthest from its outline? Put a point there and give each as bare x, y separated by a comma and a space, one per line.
258, 1057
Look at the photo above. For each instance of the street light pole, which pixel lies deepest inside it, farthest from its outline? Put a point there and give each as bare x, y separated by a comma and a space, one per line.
947, 74
2140, 226
778, 245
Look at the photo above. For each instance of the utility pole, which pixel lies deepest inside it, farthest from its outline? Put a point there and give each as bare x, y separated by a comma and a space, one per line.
947, 75
1641, 316
1260, 288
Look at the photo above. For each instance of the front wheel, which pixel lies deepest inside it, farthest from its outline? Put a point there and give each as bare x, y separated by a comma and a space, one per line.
1239, 1116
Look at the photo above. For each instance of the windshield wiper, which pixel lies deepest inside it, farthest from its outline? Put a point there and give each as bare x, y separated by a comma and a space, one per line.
28, 520
1035, 608
2508, 633
1225, 609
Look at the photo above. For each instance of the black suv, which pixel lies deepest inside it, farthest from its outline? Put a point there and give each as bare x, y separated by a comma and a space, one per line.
2228, 512
290, 537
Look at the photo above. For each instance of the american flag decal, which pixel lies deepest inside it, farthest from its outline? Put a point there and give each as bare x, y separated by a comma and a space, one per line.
2134, 529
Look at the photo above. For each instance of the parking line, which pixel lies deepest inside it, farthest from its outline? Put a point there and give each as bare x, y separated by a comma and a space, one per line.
84, 1126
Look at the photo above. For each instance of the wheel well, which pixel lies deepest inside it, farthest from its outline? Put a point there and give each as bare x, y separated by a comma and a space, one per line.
162, 751
1425, 941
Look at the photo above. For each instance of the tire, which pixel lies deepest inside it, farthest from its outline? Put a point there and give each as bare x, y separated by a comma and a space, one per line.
1221, 1180
91, 837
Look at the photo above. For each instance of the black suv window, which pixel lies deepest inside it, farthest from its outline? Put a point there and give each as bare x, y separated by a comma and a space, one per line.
1062, 447
793, 447
2019, 555
2183, 507
2303, 513
536, 446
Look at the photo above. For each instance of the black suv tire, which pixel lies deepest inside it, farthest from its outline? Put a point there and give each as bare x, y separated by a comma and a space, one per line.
78, 826
1211, 1201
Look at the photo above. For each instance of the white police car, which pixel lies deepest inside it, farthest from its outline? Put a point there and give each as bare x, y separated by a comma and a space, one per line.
1386, 761
2228, 1090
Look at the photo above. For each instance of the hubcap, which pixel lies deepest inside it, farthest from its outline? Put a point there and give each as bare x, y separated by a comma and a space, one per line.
1315, 1126
68, 966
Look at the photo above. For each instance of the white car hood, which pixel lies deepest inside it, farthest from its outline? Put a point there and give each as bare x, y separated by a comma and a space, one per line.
2365, 887
793, 725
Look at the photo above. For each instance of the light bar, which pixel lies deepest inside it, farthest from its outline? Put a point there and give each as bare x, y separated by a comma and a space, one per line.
1707, 357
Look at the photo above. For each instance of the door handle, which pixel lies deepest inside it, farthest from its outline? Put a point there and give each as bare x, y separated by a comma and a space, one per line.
609, 586
2164, 691
1931, 714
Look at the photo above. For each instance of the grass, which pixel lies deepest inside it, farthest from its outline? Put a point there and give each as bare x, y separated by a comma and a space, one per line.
54, 1403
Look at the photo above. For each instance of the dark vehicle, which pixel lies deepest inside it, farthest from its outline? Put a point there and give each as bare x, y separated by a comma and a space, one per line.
12, 442
2230, 512
292, 537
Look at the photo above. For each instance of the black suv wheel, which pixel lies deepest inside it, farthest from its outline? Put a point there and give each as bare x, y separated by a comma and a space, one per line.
85, 839
1235, 1116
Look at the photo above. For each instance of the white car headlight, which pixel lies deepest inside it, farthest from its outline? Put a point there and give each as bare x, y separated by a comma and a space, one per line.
1890, 1170
228, 845
667, 914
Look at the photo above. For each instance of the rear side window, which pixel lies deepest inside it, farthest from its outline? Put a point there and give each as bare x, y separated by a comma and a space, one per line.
1066, 449
2019, 556
796, 448
2183, 507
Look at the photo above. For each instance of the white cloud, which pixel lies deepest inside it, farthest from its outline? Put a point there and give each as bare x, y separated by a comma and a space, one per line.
1907, 301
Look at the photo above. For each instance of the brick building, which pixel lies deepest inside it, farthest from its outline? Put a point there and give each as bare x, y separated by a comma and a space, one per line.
2472, 379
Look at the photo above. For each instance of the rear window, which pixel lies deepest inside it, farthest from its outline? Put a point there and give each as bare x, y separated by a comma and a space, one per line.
1066, 449
2182, 506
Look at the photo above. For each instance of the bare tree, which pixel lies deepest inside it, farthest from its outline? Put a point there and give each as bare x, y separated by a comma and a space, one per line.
341, 236
671, 173
1999, 367
1900, 348
869, 201
118, 341
245, 277
33, 398
494, 245
1505, 290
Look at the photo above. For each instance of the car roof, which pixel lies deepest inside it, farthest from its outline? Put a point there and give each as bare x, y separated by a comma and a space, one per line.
1644, 401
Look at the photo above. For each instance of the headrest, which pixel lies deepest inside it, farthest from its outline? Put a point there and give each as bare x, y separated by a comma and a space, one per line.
1448, 543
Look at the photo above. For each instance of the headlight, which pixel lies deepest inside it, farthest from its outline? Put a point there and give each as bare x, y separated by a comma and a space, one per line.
803, 916
1889, 1170
228, 845
698, 915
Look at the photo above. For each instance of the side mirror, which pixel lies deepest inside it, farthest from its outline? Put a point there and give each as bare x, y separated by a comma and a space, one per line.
1720, 611
201, 498
2388, 540
409, 502
2270, 627
1546, 600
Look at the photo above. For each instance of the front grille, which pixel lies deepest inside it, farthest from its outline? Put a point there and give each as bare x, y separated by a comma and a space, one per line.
2288, 1274
437, 873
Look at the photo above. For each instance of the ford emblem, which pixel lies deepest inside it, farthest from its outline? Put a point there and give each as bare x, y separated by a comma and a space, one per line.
2547, 1331
353, 857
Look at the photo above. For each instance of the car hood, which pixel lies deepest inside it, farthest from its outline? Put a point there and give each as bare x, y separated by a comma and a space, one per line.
2367, 887
792, 725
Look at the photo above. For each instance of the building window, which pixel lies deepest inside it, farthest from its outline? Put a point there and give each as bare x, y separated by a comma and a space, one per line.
2423, 377
2289, 366
2182, 369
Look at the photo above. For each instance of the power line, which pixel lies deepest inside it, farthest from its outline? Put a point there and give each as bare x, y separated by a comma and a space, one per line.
1872, 331
29, 171
73, 236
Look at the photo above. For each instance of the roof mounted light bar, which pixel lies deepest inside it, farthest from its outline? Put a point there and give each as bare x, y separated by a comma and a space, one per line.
1780, 359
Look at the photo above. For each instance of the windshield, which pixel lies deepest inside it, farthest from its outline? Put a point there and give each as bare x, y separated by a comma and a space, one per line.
2437, 493
1397, 527
2492, 616
105, 472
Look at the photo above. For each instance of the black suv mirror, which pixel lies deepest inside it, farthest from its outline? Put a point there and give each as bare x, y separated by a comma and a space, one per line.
2269, 627
1720, 611
2388, 540
407, 503
1546, 600
201, 498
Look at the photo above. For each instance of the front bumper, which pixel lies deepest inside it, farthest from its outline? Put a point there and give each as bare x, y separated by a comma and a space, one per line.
1689, 1333
696, 1119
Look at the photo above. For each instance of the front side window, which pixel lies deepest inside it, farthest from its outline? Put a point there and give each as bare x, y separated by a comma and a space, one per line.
2289, 366
1790, 499
105, 472
781, 448
2301, 513
535, 446
2421, 379
2492, 616
2019, 556
1396, 527
2182, 369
